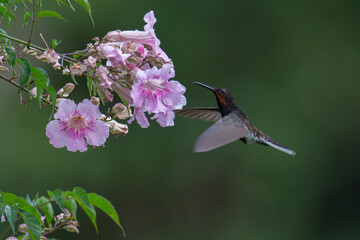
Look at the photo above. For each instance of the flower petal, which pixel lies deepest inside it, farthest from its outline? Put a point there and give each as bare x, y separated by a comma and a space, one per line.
97, 134
66, 110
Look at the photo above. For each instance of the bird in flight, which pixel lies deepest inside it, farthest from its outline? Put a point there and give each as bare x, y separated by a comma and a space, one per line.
230, 124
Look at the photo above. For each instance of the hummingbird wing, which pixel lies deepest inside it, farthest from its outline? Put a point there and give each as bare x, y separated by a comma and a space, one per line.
206, 114
224, 131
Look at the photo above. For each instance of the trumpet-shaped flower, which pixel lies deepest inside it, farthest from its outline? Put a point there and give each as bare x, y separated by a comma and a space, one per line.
75, 123
153, 93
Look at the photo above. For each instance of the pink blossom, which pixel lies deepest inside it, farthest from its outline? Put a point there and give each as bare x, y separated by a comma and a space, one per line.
90, 62
2, 218
50, 56
144, 37
114, 54
78, 69
153, 93
73, 123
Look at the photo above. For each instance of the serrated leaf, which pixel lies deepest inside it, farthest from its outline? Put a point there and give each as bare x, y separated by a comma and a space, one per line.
58, 197
26, 72
11, 214
12, 58
46, 207
50, 13
104, 205
32, 224
71, 205
86, 5
26, 18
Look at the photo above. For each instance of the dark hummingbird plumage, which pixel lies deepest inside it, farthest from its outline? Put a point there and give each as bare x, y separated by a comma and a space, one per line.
230, 124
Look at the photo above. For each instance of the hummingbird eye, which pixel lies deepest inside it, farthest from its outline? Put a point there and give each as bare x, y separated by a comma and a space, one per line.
223, 91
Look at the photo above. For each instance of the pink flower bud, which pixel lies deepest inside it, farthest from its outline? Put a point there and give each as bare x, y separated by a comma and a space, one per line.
78, 69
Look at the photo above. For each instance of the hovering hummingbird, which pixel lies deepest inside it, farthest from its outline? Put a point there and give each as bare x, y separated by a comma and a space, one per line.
230, 124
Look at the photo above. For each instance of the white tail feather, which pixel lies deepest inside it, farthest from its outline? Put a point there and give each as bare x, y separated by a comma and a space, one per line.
281, 148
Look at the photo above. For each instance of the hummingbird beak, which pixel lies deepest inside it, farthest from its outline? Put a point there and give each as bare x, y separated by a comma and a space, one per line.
205, 86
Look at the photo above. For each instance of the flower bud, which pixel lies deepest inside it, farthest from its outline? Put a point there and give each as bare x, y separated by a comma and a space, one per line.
33, 93
23, 228
2, 218
59, 100
95, 100
78, 69
115, 127
66, 90
11, 238
66, 71
72, 227
121, 111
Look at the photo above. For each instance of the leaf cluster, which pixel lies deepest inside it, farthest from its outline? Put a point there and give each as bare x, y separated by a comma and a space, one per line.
30, 211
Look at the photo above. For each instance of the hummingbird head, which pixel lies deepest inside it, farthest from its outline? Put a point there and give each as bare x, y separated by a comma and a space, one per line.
223, 96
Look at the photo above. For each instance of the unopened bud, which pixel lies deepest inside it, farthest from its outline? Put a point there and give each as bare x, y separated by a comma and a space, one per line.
115, 127
121, 111
2, 218
33, 93
68, 88
11, 238
23, 228
95, 101
59, 100
72, 227
66, 71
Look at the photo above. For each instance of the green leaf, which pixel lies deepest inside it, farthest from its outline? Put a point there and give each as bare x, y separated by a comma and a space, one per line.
32, 224
11, 199
70, 5
71, 205
11, 214
26, 72
40, 77
26, 18
86, 5
90, 86
82, 194
55, 43
49, 13
104, 205
73, 78
89, 212
46, 207
52, 94
12, 58
39, 93
58, 197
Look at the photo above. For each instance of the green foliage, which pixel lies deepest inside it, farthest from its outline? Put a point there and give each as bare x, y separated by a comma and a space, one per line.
25, 75
42, 82
16, 208
49, 13
7, 9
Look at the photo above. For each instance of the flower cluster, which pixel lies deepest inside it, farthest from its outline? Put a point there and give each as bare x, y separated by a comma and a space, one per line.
129, 64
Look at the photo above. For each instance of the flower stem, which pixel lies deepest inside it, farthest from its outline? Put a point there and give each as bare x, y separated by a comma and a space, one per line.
22, 42
32, 25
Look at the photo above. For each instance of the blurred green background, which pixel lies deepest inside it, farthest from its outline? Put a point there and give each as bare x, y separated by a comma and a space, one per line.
293, 68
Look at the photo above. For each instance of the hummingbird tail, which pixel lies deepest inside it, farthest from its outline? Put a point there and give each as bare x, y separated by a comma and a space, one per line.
277, 146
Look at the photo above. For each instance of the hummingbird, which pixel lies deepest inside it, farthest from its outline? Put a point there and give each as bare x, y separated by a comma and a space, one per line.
231, 124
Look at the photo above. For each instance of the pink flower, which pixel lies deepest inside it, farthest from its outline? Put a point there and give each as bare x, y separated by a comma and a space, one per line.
153, 93
50, 56
73, 123
90, 62
78, 69
2, 218
144, 37
114, 54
